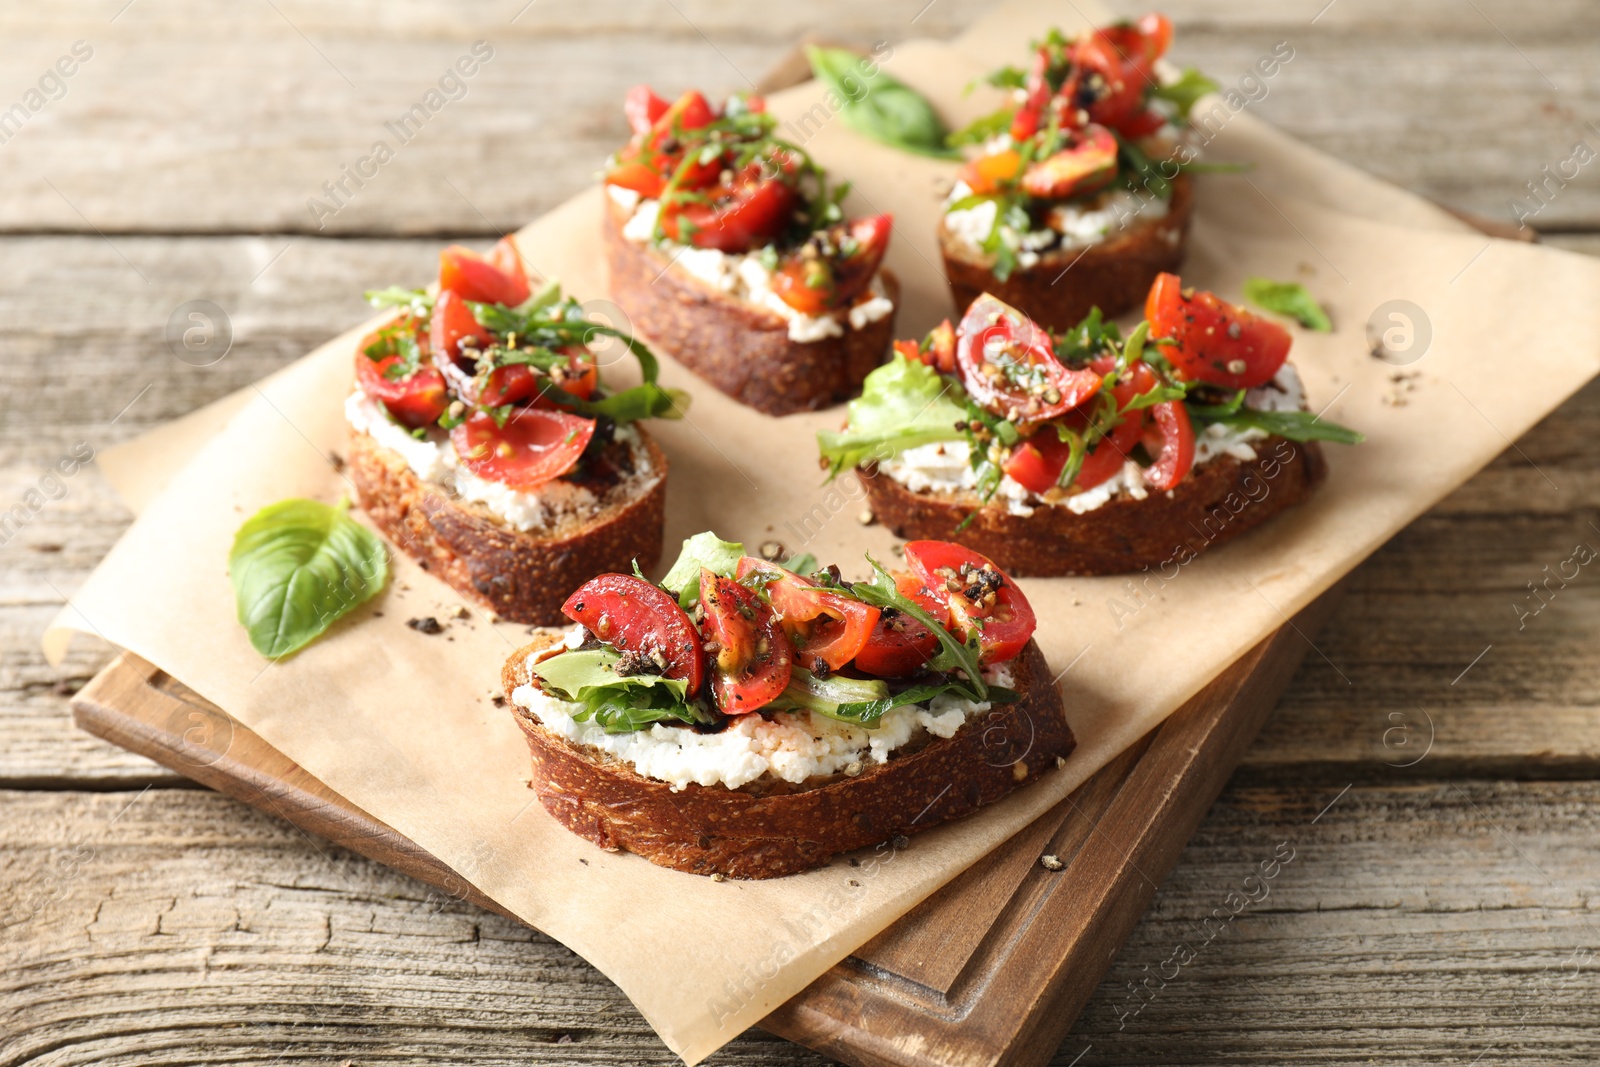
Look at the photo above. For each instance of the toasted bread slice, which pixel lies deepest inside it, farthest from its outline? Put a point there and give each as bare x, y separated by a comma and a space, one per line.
1059, 290
742, 349
771, 827
1217, 502
521, 576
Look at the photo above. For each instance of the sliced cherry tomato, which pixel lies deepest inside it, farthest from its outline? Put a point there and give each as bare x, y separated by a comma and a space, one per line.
810, 281
900, 645
1175, 451
533, 447
634, 616
1036, 463
642, 179
642, 107
1009, 366
1103, 84
981, 597
753, 662
452, 322
942, 348
689, 112
909, 350
1030, 116
415, 400
733, 218
1143, 42
822, 625
1086, 165
1216, 342
992, 173
1142, 124
508, 385
497, 279
580, 376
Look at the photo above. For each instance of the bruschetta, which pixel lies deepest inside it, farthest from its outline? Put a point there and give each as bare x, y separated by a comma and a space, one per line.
1086, 452
729, 250
1077, 197
484, 444
752, 719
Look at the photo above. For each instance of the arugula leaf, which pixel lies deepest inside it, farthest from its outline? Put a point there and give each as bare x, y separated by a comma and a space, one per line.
801, 563
881, 107
903, 403
1288, 298
297, 566
416, 300
1186, 91
619, 703
702, 550
1009, 76
1140, 170
1294, 425
954, 655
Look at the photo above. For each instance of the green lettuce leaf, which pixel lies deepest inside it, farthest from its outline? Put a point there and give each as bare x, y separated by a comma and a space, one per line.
1288, 298
1186, 91
902, 404
618, 702
702, 550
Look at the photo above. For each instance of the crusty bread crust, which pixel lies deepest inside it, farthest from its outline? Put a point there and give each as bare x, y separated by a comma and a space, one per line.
1219, 501
770, 827
1059, 290
522, 577
743, 350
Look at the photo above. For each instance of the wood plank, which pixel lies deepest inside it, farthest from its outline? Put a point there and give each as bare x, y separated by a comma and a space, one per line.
185, 927
1448, 106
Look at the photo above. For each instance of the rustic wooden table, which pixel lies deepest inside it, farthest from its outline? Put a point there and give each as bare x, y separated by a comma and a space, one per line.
1434, 770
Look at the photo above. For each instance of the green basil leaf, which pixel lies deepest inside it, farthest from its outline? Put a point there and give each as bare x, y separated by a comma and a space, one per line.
702, 550
1186, 91
880, 106
298, 566
1288, 298
870, 713
903, 403
983, 130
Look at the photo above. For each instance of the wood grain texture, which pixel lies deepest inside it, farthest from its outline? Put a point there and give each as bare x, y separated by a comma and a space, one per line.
241, 119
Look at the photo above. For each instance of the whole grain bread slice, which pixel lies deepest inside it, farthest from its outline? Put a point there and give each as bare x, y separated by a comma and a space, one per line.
743, 350
1059, 290
1217, 502
521, 576
771, 827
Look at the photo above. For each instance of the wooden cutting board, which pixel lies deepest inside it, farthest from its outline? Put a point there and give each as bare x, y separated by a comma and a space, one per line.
993, 969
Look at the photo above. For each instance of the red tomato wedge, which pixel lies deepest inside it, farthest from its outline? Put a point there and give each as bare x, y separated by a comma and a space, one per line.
1174, 450
1214, 341
981, 597
822, 625
642, 107
1086, 165
1030, 115
413, 401
498, 278
1009, 365
812, 284
533, 447
634, 616
752, 661
1142, 42
733, 218
900, 645
452, 322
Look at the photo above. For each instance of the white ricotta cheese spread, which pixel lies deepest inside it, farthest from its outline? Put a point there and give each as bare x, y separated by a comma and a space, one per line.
744, 277
433, 459
792, 746
947, 467
1074, 224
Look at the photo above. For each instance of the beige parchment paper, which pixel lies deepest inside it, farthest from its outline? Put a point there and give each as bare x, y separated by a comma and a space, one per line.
401, 723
